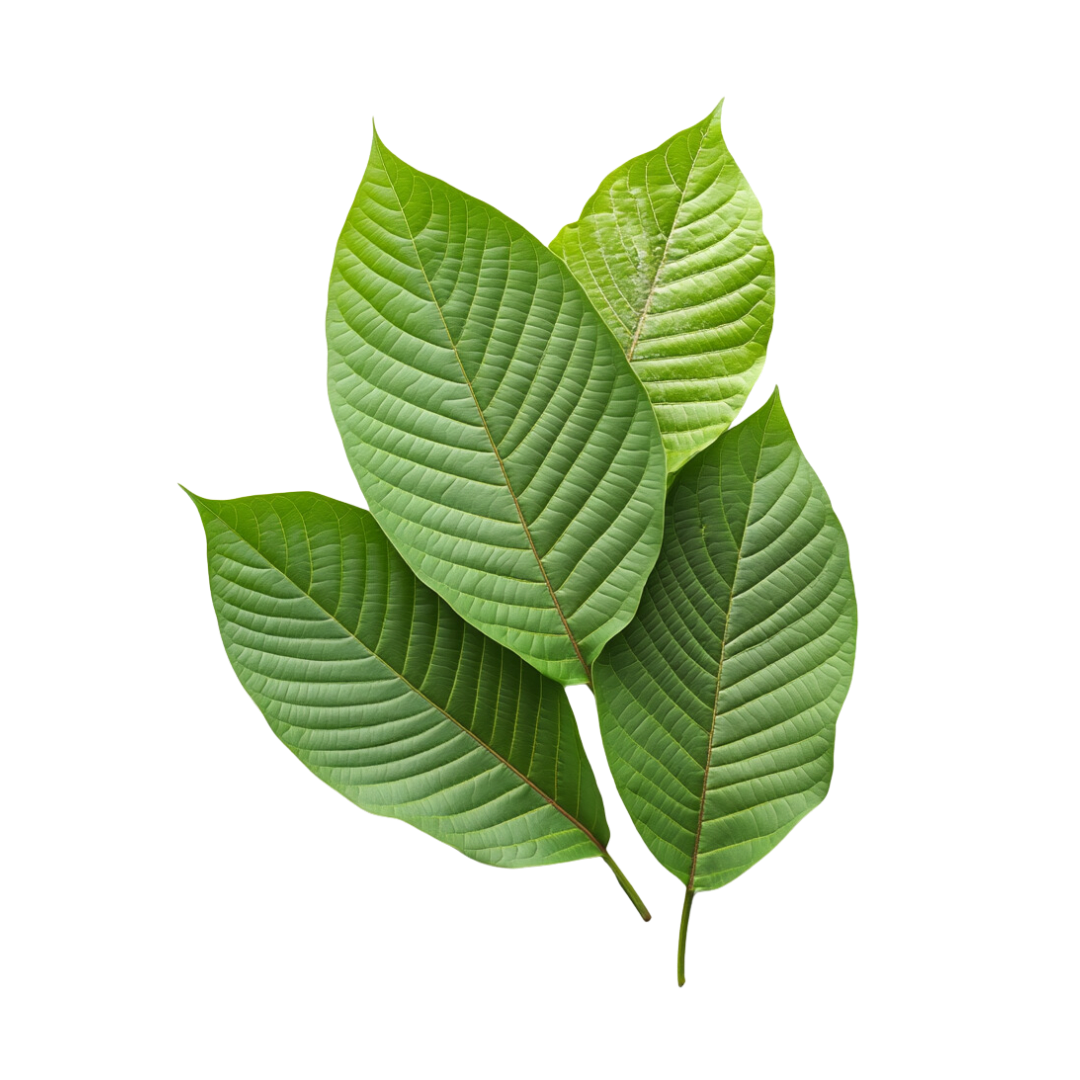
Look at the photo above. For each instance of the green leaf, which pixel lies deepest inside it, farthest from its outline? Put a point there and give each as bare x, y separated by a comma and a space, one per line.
498, 434
671, 251
383, 692
718, 703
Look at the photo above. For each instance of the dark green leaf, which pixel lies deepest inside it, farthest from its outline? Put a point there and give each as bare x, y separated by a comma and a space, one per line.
718, 703
381, 690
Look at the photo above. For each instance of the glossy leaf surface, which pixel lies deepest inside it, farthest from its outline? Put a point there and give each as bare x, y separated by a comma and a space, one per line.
670, 249
386, 694
498, 434
718, 703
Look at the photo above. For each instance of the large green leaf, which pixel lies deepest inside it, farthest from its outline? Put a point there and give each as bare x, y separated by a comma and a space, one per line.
498, 434
671, 251
381, 690
718, 703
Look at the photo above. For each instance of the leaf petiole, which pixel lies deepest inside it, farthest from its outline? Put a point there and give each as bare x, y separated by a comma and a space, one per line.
682, 934
629, 889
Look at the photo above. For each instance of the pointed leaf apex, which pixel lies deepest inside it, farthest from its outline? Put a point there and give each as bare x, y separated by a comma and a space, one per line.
189, 493
377, 143
771, 416
202, 506
774, 410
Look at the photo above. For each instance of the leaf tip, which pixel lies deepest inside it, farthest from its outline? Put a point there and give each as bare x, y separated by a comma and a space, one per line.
714, 116
773, 414
377, 142
198, 500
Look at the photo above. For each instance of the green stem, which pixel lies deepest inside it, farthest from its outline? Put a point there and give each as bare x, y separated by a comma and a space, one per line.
682, 934
643, 911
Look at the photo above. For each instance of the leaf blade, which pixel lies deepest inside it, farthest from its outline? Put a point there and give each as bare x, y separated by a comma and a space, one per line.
384, 693
670, 249
496, 431
718, 703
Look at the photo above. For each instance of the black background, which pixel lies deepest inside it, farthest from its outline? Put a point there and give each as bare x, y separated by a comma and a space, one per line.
279, 864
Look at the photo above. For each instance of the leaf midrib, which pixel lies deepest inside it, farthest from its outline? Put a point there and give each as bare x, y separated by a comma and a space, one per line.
667, 245
723, 648
487, 430
416, 690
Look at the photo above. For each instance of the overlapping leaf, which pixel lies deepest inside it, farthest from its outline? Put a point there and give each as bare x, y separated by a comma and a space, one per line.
385, 693
498, 434
670, 249
718, 703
